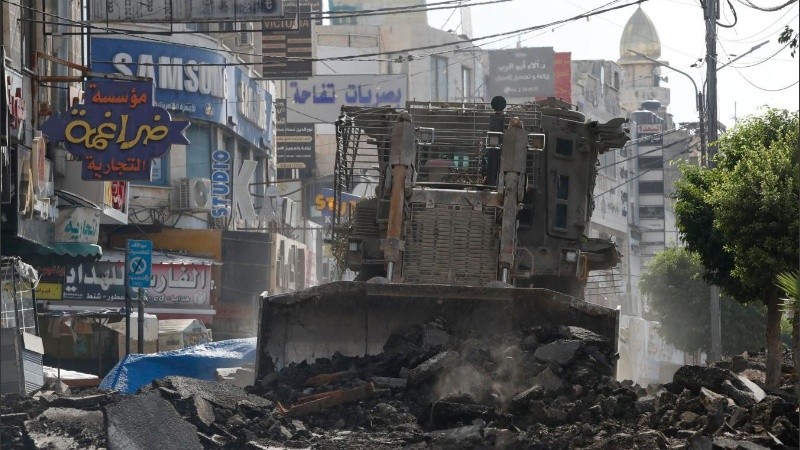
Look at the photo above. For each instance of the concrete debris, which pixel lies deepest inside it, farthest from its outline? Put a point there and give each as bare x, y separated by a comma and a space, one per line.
67, 428
541, 388
147, 420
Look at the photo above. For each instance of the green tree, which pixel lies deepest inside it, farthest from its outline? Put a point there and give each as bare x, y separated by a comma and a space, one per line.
678, 297
741, 216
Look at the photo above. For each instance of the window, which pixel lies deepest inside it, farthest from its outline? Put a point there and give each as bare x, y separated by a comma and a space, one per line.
651, 212
651, 162
564, 147
198, 152
651, 187
466, 84
562, 202
159, 172
438, 78
616, 80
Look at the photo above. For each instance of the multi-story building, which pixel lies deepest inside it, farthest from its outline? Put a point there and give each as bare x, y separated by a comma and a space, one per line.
657, 145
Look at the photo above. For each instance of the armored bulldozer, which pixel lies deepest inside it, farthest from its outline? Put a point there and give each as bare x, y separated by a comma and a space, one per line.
476, 215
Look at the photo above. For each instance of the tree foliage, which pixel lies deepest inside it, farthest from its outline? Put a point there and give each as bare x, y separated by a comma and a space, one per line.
679, 298
741, 216
746, 204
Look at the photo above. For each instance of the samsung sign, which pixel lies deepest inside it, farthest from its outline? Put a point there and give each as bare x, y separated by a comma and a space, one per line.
192, 82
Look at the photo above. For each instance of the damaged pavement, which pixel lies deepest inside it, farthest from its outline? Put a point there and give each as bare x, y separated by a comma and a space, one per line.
544, 388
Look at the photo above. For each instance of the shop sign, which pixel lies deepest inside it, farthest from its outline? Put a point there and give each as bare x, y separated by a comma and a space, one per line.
295, 146
286, 42
51, 282
650, 134
174, 284
117, 131
16, 103
115, 195
195, 83
320, 99
78, 225
220, 183
325, 202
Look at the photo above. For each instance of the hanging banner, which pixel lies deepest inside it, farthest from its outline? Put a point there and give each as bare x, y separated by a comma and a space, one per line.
117, 131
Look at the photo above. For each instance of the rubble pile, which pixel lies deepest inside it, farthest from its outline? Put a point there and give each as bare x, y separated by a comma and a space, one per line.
544, 388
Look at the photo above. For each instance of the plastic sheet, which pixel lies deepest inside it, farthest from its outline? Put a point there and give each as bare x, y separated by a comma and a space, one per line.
200, 361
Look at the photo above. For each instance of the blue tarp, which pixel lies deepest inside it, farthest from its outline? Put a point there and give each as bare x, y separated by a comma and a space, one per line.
200, 361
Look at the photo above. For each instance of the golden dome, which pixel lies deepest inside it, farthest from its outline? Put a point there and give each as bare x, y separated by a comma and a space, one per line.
639, 35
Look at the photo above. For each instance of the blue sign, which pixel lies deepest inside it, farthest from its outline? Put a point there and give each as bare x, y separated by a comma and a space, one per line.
192, 82
138, 261
117, 131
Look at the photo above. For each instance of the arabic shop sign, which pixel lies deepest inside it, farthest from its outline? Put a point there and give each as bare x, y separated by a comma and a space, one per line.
295, 147
192, 82
320, 99
79, 224
116, 132
188, 284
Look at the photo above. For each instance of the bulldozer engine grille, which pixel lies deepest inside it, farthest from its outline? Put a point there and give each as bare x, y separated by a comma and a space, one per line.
364, 225
451, 244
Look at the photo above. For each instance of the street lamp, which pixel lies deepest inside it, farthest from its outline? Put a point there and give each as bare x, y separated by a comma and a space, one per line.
699, 105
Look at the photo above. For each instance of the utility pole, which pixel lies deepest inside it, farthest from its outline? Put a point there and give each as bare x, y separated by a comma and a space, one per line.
711, 12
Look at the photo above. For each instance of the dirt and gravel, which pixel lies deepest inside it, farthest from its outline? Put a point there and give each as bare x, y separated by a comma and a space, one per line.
544, 388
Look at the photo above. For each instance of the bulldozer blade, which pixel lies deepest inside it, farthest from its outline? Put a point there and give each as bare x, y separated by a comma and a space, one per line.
356, 318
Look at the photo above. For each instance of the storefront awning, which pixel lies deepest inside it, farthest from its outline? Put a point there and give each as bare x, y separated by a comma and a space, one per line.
27, 249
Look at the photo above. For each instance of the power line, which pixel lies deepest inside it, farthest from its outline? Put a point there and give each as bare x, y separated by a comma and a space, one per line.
766, 8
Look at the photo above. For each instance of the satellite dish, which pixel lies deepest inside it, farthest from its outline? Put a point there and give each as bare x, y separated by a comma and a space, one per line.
499, 103
201, 192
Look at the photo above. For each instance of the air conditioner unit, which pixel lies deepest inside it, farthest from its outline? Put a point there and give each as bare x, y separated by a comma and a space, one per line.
194, 194
245, 35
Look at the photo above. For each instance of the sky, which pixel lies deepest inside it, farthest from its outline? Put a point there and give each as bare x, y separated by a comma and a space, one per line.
743, 86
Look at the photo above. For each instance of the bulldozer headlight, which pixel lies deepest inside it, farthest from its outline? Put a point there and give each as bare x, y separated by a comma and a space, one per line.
425, 135
536, 141
493, 139
571, 256
353, 246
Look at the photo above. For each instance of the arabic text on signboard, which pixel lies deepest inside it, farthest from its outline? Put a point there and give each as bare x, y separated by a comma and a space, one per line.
192, 82
320, 98
188, 284
295, 145
117, 131
522, 73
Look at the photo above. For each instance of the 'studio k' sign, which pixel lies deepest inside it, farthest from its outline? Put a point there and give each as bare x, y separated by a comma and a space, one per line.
116, 132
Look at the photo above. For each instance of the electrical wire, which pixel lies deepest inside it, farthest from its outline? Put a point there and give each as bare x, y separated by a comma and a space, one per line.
752, 38
456, 44
766, 8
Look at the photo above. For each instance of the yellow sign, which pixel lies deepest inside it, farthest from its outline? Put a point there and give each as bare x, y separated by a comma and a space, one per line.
48, 291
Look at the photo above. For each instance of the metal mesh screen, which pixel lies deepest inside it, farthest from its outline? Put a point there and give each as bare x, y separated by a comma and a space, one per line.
451, 244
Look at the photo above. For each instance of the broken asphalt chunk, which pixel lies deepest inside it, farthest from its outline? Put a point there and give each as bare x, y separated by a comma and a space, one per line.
145, 420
